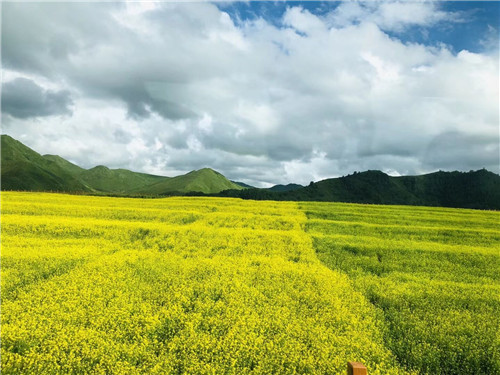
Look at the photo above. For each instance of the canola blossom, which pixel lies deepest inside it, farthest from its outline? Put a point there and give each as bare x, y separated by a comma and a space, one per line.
432, 273
102, 285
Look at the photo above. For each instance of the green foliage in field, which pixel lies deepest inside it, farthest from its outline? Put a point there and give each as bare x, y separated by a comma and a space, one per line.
94, 285
434, 274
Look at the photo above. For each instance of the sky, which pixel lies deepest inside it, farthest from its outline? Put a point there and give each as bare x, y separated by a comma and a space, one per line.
263, 92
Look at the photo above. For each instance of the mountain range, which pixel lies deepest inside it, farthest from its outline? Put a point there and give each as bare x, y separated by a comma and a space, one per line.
475, 189
24, 169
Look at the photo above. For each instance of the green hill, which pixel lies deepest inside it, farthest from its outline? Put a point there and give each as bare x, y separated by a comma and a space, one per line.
479, 189
107, 180
24, 169
204, 180
474, 189
242, 184
365, 187
289, 187
64, 164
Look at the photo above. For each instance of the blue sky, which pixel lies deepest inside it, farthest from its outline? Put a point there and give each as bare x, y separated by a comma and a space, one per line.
477, 18
263, 92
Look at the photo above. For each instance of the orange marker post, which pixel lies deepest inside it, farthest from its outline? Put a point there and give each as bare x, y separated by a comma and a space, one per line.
356, 368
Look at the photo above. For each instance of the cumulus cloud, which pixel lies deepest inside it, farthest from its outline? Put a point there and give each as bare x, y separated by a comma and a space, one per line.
23, 98
391, 15
172, 87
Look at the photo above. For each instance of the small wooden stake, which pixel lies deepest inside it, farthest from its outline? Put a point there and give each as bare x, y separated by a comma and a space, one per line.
356, 368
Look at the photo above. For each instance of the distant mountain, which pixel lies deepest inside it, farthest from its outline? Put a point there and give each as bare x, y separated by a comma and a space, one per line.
474, 189
289, 187
242, 184
205, 180
103, 179
479, 189
365, 187
24, 169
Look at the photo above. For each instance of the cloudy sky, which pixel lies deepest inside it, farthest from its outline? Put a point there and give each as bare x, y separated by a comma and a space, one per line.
264, 92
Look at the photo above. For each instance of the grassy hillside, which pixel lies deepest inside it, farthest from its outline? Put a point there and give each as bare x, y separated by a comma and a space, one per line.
24, 169
204, 180
242, 184
289, 187
479, 189
108, 180
103, 179
64, 164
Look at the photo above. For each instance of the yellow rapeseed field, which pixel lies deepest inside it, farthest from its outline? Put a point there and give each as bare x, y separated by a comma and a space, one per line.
432, 273
98, 285
101, 285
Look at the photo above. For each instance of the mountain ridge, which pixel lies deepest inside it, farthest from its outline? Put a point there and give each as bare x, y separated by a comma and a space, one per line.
287, 187
24, 169
204, 180
474, 189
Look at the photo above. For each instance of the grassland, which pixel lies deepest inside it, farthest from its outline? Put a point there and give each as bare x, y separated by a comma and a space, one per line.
210, 286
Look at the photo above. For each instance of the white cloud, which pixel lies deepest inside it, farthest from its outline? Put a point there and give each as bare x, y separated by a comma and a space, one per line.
180, 86
391, 15
303, 21
259, 117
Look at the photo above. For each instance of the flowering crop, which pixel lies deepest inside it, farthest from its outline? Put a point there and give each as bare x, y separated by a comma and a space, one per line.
432, 273
96, 285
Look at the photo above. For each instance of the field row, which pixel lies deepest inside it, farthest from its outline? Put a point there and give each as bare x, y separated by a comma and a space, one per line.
437, 288
87, 293
199, 285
